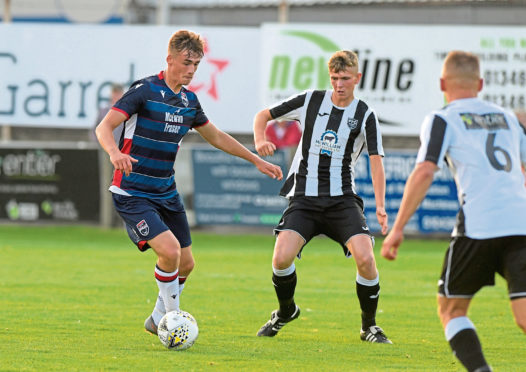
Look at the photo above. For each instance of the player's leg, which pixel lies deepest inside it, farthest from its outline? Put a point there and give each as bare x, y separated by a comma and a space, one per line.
288, 245
367, 287
186, 266
518, 306
468, 266
168, 284
168, 251
461, 334
147, 230
174, 216
513, 269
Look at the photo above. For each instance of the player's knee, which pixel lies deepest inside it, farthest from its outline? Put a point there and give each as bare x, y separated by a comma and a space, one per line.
447, 313
281, 262
366, 264
186, 266
172, 254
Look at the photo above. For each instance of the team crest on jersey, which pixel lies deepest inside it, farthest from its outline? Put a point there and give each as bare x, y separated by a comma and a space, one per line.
143, 228
352, 123
184, 98
328, 143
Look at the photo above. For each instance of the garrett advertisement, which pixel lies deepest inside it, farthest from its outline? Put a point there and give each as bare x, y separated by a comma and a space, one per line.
49, 185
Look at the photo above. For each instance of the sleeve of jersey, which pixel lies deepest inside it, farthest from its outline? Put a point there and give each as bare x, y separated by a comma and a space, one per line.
131, 102
523, 143
433, 140
289, 109
200, 117
373, 135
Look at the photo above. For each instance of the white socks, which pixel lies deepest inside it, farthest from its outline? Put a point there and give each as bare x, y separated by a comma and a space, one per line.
160, 309
168, 284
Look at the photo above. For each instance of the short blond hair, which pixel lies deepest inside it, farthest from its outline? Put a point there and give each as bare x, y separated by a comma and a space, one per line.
461, 65
184, 40
343, 60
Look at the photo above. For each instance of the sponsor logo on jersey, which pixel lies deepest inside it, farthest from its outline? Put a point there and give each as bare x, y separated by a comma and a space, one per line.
143, 228
352, 123
173, 118
162, 93
171, 128
328, 143
489, 121
323, 114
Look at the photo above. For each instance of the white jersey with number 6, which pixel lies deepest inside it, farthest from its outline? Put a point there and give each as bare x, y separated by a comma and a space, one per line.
484, 146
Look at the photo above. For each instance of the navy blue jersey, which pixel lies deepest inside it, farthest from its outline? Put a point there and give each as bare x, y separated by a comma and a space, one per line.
157, 121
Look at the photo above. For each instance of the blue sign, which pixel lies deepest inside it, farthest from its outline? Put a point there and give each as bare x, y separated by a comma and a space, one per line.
231, 191
436, 214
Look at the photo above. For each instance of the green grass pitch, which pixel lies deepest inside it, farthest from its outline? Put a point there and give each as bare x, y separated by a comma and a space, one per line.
75, 298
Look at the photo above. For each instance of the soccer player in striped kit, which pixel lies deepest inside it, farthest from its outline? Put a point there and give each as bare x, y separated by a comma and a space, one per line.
484, 146
320, 187
157, 112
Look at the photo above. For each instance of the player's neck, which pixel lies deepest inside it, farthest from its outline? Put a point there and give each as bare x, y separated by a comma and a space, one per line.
461, 94
340, 101
173, 85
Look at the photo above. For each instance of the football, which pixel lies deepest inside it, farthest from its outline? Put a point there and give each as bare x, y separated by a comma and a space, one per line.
177, 330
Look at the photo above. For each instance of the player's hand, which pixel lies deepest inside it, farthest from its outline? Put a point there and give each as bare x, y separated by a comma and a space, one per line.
381, 215
271, 170
265, 148
122, 162
391, 244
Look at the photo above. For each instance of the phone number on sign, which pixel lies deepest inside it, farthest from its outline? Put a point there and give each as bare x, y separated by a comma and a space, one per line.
504, 78
512, 101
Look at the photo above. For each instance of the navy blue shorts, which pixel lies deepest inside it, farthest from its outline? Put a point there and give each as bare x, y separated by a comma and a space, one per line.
146, 218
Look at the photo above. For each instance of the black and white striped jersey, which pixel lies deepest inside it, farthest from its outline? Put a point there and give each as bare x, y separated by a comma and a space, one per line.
333, 139
483, 145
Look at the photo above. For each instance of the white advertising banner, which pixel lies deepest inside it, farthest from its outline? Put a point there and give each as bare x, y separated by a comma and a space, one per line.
58, 75
400, 65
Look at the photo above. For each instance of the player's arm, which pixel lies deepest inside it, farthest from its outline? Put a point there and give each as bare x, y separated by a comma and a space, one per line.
415, 191
104, 132
225, 142
263, 147
378, 178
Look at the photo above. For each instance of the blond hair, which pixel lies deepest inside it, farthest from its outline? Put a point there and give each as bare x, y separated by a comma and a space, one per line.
343, 60
461, 65
184, 40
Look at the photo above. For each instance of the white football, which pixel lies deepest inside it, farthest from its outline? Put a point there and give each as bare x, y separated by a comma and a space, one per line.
177, 330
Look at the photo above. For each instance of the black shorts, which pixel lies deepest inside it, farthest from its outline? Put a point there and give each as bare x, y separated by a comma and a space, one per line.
146, 218
470, 264
338, 217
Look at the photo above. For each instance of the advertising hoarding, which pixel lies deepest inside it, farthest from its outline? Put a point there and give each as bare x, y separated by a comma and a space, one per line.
231, 191
437, 212
400, 65
49, 184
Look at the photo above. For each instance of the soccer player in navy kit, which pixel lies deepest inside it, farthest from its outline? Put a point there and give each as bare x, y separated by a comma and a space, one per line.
484, 146
157, 112
320, 187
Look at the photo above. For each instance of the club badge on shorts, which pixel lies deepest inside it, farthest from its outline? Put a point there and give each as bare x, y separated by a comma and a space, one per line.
143, 228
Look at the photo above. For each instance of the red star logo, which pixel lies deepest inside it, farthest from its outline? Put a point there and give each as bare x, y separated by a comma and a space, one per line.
215, 67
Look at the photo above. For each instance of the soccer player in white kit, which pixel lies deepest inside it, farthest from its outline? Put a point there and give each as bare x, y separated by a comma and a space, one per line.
484, 146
